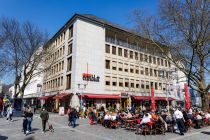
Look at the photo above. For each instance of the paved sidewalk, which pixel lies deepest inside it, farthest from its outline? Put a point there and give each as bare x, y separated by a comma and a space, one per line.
12, 131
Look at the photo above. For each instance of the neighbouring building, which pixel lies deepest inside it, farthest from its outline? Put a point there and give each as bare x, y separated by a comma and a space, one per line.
98, 63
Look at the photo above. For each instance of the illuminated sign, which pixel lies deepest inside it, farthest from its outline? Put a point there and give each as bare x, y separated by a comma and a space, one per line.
90, 77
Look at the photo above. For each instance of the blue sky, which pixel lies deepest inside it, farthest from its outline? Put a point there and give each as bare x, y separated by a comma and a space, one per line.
50, 15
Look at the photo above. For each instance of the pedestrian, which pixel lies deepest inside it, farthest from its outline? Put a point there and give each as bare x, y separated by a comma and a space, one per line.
179, 120
25, 124
29, 116
73, 117
9, 113
69, 115
44, 116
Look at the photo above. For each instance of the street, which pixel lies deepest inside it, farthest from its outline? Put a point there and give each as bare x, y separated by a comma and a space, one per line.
12, 131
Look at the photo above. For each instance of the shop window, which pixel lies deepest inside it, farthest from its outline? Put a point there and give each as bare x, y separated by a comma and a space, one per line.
113, 50
107, 48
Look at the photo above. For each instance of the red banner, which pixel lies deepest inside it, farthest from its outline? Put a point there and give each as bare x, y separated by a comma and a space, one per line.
153, 99
187, 97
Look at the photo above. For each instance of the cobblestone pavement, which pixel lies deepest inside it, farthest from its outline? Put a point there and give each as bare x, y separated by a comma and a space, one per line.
12, 131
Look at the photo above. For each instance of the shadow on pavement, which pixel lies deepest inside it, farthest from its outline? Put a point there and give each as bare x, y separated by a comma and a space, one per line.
29, 138
3, 137
205, 132
35, 129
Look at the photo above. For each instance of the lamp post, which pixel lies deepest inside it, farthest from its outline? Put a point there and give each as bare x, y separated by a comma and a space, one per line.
81, 87
172, 75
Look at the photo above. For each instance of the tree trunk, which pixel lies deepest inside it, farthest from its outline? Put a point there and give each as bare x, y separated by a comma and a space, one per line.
205, 101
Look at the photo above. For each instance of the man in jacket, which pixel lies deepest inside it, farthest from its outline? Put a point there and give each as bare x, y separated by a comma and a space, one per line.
44, 116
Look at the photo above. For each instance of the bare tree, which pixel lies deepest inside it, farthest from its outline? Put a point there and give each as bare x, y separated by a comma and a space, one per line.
184, 28
24, 52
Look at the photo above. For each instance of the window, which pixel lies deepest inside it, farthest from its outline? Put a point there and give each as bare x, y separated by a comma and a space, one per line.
62, 81
169, 64
131, 69
59, 82
69, 63
141, 57
142, 70
71, 32
145, 58
158, 61
137, 70
114, 65
68, 81
166, 64
107, 48
150, 59
137, 85
147, 85
119, 51
132, 85
155, 73
126, 68
136, 56
161, 62
62, 65
146, 71
131, 54
107, 64
126, 83
107, 80
160, 86
125, 53
156, 87
151, 72
142, 84
120, 66
120, 82
70, 49
114, 81
113, 50
154, 60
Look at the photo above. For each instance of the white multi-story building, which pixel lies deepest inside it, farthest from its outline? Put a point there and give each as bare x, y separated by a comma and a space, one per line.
100, 63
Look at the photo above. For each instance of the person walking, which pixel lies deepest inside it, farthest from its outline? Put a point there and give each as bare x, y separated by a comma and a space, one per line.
179, 120
73, 116
29, 116
9, 113
44, 116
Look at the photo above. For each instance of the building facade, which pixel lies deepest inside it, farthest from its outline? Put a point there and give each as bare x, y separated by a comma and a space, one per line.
97, 63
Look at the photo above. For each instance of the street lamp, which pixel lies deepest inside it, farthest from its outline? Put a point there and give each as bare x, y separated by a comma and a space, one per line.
81, 87
172, 74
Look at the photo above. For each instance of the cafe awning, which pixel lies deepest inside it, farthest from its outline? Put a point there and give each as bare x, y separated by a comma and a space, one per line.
141, 97
45, 97
164, 99
61, 96
102, 96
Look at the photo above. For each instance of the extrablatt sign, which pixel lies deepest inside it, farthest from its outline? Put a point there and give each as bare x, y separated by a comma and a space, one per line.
90, 77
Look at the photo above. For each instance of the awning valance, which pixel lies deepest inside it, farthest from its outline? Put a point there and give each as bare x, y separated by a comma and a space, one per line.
142, 97
102, 96
45, 97
164, 98
61, 96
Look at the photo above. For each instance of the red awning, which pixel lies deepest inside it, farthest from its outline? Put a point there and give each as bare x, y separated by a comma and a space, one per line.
61, 96
45, 97
102, 96
142, 97
164, 98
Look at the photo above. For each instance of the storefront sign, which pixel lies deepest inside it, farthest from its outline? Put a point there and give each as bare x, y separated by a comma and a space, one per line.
90, 77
